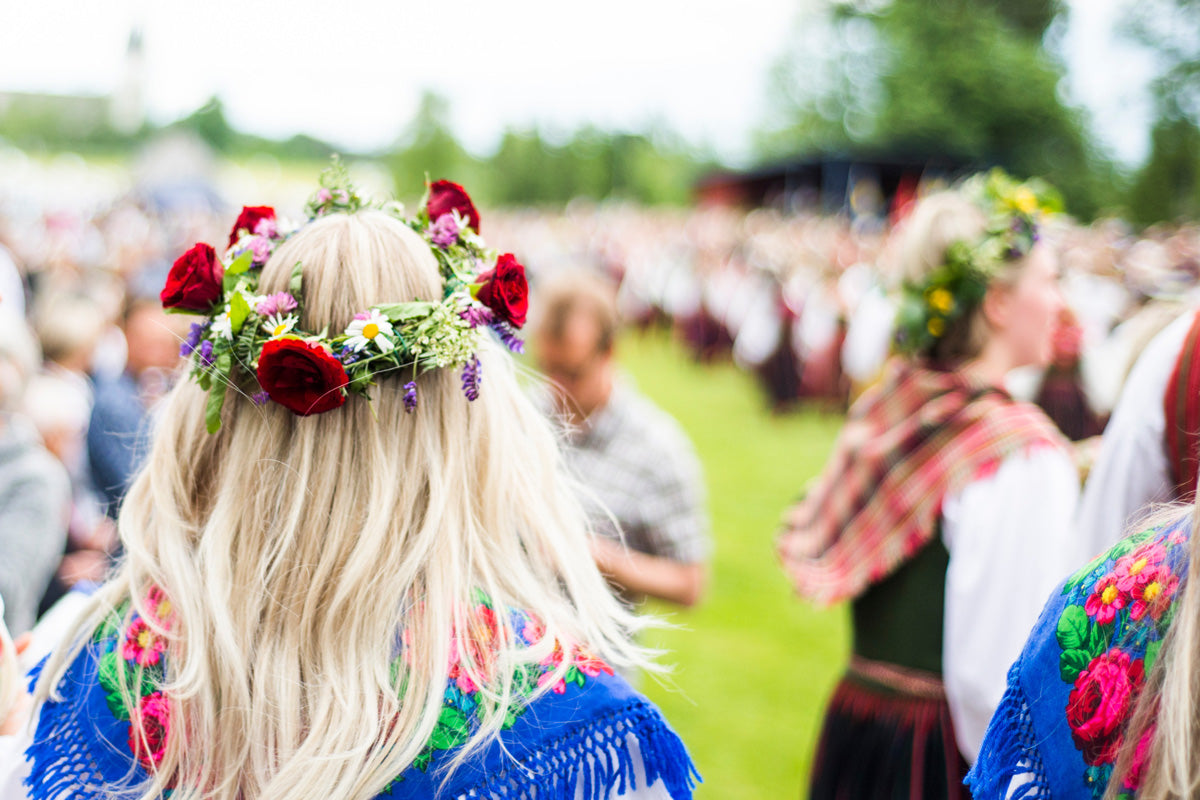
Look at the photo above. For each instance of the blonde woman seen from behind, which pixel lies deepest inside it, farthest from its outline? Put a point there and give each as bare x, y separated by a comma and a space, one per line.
390, 595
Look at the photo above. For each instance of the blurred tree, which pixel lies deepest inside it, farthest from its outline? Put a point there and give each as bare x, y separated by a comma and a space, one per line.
209, 123
428, 147
1168, 185
968, 79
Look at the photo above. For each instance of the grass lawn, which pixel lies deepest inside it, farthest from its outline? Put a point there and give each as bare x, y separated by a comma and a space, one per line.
753, 664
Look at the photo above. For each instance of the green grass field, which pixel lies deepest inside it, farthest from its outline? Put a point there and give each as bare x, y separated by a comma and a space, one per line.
753, 664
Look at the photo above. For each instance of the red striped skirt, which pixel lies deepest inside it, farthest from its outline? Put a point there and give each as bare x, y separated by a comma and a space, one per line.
888, 735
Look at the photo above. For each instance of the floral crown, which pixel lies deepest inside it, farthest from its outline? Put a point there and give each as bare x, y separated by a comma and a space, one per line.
1014, 212
309, 373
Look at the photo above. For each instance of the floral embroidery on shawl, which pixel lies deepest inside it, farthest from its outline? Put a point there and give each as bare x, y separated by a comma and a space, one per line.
1118, 611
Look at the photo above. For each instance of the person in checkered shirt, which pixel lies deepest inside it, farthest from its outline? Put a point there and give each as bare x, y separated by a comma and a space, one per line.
641, 480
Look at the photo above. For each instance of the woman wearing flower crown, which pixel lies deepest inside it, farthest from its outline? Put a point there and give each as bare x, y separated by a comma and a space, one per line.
353, 565
943, 515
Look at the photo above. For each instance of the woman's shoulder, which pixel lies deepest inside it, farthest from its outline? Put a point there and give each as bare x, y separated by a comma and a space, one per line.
1072, 691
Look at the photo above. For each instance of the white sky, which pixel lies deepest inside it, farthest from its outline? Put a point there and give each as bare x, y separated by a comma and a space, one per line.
350, 71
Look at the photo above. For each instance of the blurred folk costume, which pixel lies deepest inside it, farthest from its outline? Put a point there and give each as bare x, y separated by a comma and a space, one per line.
939, 488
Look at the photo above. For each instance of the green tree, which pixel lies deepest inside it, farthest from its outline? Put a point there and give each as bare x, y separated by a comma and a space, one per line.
428, 146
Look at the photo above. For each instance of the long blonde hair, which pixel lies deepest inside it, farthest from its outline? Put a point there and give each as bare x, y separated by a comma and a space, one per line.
1167, 714
294, 550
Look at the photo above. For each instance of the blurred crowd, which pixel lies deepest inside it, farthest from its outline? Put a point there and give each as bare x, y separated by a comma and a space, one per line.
801, 300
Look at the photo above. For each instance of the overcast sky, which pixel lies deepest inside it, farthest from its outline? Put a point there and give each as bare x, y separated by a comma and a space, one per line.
351, 71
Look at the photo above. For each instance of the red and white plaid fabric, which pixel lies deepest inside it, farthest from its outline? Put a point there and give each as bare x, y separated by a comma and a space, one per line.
917, 437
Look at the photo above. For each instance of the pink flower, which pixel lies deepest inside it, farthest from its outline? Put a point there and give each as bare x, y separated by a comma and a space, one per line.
590, 664
261, 247
150, 729
1141, 756
278, 303
266, 227
1177, 537
1099, 704
533, 631
324, 196
1106, 600
547, 679
142, 645
444, 231
160, 606
1153, 591
1130, 568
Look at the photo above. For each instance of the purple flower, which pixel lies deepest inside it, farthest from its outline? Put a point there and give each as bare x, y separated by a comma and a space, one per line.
410, 396
266, 228
206, 349
477, 315
470, 379
260, 398
349, 355
444, 232
278, 303
193, 339
509, 337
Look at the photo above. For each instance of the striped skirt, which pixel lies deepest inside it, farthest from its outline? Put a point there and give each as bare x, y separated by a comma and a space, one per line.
888, 736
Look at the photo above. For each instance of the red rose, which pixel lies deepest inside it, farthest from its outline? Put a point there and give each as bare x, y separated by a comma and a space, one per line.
248, 220
445, 197
1101, 702
194, 283
301, 376
150, 728
505, 291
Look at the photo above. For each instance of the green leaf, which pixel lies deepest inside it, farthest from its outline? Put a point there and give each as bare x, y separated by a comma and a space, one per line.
241, 263
421, 762
111, 664
1072, 633
212, 412
239, 309
451, 730
1073, 662
296, 282
401, 312
1152, 654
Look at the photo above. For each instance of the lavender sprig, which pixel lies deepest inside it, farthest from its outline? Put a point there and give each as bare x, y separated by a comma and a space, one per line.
509, 337
470, 379
193, 339
410, 397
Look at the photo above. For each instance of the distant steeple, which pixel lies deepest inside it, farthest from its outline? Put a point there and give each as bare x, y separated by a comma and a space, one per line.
127, 109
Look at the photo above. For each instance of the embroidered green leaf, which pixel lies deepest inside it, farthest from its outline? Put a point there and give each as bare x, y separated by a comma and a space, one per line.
422, 760
1151, 655
239, 309
1073, 662
111, 664
241, 263
574, 676
451, 729
1072, 633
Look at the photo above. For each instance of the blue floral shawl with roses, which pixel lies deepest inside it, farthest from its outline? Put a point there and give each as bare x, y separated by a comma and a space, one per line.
1072, 692
580, 740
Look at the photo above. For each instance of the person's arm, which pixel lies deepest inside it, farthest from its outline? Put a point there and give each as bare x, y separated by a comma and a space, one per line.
33, 533
1010, 542
656, 576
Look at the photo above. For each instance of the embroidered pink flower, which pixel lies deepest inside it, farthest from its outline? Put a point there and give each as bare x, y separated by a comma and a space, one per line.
159, 605
1141, 756
1177, 537
1100, 703
1131, 568
533, 630
143, 645
480, 646
1152, 592
1106, 600
150, 729
591, 664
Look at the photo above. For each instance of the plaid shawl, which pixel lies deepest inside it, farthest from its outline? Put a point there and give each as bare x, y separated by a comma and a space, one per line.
920, 435
1181, 407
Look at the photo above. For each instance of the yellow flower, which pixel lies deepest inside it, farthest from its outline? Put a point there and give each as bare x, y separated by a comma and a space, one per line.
1024, 200
940, 300
936, 326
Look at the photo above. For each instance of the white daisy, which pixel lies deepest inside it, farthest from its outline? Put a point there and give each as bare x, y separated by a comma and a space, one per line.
223, 325
279, 324
368, 328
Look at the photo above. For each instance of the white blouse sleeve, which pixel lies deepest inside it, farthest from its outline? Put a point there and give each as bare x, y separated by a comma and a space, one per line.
1131, 469
13, 766
1010, 542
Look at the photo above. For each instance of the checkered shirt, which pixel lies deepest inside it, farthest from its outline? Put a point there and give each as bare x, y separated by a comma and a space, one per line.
636, 462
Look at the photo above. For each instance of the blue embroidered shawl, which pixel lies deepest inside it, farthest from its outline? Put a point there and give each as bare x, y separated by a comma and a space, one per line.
1071, 693
573, 741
